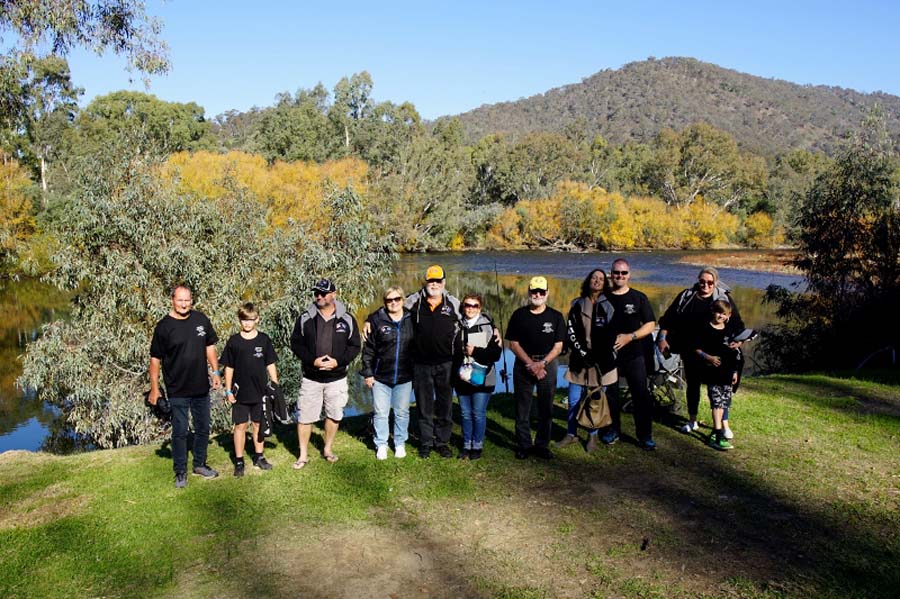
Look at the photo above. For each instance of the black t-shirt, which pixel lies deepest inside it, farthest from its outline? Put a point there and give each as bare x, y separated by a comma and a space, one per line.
631, 310
713, 342
249, 358
181, 346
536, 333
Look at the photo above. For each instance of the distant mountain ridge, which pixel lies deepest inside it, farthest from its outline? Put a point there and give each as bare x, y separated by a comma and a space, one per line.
767, 116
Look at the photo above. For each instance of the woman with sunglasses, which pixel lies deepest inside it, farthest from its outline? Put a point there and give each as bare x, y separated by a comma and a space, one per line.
387, 370
478, 343
680, 325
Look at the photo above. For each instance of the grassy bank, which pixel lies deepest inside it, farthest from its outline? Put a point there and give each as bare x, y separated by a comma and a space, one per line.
807, 505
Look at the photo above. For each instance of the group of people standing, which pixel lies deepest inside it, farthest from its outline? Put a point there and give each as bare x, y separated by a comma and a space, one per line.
432, 344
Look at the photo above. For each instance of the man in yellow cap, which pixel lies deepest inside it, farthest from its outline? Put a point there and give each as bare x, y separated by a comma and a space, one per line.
435, 317
535, 333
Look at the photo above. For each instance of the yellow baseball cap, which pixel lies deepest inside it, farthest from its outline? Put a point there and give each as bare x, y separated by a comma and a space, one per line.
434, 272
537, 283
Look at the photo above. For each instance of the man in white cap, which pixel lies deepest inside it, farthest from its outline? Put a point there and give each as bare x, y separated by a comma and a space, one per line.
535, 333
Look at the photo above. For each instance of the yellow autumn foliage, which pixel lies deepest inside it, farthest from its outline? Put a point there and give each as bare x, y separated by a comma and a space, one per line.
761, 231
16, 219
291, 190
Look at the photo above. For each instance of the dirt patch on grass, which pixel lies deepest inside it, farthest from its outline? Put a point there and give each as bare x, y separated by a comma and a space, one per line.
45, 506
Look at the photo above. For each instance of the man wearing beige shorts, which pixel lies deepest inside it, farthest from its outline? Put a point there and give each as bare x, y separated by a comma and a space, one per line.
325, 340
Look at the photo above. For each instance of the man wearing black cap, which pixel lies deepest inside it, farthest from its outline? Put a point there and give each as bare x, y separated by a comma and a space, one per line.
326, 340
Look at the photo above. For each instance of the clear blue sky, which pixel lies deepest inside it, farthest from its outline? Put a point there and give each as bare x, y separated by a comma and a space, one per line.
449, 57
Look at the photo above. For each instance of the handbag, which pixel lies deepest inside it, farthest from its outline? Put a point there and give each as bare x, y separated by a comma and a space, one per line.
593, 411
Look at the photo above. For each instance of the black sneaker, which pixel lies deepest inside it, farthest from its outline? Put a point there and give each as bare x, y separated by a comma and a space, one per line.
522, 454
262, 463
445, 452
424, 453
239, 469
475, 454
205, 471
543, 453
180, 480
464, 454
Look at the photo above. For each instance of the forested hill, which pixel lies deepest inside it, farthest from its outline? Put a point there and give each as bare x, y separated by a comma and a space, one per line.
633, 103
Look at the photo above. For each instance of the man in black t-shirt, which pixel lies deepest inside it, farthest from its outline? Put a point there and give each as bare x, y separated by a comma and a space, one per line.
535, 333
184, 342
632, 324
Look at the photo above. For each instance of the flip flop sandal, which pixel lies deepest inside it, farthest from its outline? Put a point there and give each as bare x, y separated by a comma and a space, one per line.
300, 464
330, 458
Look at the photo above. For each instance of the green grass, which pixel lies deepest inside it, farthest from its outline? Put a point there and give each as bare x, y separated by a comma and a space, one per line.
808, 504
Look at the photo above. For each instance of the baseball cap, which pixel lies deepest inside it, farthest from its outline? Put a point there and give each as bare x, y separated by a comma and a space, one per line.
324, 285
434, 272
537, 283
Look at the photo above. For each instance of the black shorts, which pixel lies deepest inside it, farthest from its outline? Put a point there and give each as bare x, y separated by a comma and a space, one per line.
242, 412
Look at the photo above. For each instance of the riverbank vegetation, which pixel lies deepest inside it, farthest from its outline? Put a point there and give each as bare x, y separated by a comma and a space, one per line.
805, 506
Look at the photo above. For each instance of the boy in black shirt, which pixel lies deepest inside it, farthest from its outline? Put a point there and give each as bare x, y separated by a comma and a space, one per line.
249, 359
535, 333
632, 324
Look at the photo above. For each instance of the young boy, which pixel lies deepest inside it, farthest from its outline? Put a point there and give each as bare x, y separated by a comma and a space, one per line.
248, 358
720, 368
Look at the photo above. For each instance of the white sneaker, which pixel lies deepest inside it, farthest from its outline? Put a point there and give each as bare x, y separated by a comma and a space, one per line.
690, 427
400, 451
728, 434
381, 454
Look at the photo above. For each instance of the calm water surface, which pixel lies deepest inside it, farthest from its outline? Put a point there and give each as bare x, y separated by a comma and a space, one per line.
501, 278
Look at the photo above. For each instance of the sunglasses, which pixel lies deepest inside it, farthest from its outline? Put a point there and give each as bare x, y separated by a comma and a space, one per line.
537, 291
620, 272
471, 306
391, 300
320, 293
434, 280
703, 283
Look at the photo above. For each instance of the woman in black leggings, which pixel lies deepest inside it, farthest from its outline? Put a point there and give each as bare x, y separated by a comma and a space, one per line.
685, 316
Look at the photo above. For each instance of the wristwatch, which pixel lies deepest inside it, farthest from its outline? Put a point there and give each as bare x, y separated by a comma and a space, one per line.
634, 336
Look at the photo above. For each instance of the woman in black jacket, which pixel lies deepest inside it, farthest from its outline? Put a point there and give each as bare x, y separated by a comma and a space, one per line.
479, 348
387, 370
686, 316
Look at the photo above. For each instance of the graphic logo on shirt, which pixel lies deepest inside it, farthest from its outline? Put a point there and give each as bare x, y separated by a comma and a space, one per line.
201, 332
257, 352
447, 310
385, 329
548, 327
340, 327
600, 321
630, 309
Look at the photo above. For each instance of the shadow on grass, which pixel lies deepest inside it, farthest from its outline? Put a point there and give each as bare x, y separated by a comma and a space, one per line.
866, 400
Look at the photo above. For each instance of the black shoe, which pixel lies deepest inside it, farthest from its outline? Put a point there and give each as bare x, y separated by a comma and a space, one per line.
445, 452
205, 471
180, 480
522, 454
239, 469
262, 463
543, 453
464, 454
475, 454
424, 453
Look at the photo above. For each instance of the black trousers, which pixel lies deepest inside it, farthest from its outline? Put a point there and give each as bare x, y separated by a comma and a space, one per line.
198, 408
434, 400
692, 372
635, 373
524, 384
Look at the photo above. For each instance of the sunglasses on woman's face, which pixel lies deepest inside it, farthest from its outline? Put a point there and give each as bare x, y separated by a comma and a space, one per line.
705, 283
391, 300
472, 306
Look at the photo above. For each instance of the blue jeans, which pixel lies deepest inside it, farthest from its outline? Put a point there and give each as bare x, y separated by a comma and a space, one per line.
387, 397
198, 407
576, 393
474, 419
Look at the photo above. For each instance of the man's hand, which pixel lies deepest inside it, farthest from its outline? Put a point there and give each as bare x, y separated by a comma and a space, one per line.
714, 360
216, 382
370, 381
153, 397
325, 362
367, 328
663, 346
621, 341
230, 398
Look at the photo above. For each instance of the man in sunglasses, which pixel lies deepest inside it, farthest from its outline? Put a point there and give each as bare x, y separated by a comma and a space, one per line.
325, 340
535, 333
632, 324
435, 317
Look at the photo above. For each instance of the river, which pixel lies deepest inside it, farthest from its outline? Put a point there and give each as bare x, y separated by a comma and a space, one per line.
28, 424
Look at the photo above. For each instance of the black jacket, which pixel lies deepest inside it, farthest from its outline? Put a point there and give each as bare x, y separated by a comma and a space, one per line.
486, 356
688, 312
601, 353
345, 344
435, 330
386, 354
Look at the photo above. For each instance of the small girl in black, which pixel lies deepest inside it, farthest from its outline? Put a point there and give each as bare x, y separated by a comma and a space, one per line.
249, 359
720, 368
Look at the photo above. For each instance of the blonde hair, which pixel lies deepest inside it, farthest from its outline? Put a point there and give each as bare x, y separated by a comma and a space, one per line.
709, 270
390, 290
248, 312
